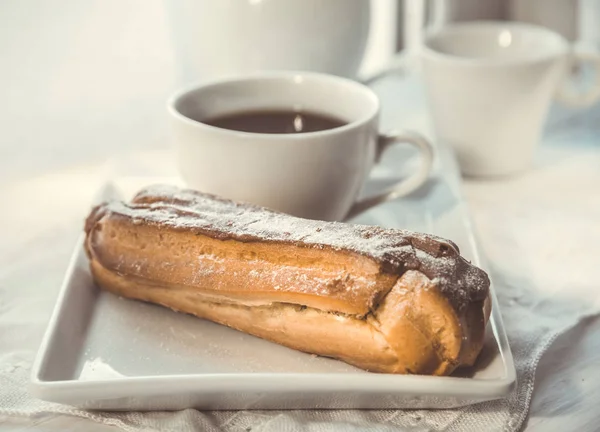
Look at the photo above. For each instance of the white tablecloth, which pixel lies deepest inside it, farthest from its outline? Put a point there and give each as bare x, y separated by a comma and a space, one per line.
79, 109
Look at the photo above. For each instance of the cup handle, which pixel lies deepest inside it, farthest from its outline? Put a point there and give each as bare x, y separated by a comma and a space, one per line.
405, 186
588, 96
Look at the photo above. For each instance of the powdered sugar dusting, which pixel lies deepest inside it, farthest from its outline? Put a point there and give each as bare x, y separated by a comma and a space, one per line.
395, 250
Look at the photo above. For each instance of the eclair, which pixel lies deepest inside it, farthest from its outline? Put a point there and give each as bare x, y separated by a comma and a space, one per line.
384, 300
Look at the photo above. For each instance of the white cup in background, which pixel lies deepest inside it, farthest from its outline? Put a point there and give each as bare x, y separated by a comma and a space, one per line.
213, 39
316, 175
489, 86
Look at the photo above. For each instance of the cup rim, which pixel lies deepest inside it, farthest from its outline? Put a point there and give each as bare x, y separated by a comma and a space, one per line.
494, 25
274, 75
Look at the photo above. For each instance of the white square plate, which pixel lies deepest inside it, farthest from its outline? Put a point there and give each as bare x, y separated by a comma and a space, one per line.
104, 352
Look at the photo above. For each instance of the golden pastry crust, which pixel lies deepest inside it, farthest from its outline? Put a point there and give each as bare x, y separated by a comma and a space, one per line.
383, 300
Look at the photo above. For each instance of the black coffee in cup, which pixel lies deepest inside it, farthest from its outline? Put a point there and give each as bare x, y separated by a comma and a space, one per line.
276, 122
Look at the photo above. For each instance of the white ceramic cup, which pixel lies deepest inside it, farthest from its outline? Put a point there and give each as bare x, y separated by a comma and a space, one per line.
489, 86
213, 39
316, 175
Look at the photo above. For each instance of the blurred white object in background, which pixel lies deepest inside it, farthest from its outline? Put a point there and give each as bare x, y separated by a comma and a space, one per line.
589, 22
562, 16
489, 85
214, 39
422, 15
382, 41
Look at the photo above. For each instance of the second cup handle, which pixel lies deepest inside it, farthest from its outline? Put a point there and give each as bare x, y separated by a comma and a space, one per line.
407, 185
589, 95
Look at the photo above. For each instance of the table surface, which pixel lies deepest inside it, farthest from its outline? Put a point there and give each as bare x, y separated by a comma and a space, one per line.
84, 83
